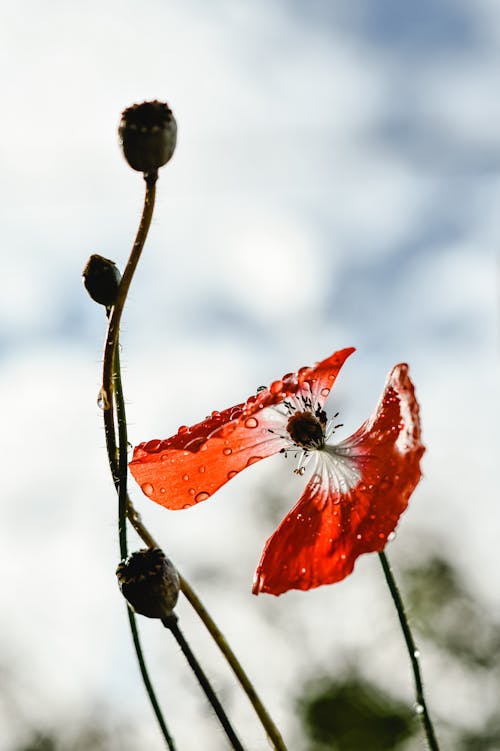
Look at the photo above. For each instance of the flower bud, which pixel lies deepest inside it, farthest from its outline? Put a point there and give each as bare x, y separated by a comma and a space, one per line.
101, 279
150, 582
148, 134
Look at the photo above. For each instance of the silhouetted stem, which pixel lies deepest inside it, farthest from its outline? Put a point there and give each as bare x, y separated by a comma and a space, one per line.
122, 453
111, 391
116, 311
245, 682
217, 635
173, 626
112, 398
412, 651
147, 682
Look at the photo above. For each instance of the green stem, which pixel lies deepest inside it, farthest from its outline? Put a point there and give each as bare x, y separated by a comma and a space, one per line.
412, 651
122, 453
117, 460
245, 682
117, 310
112, 398
218, 637
147, 682
172, 624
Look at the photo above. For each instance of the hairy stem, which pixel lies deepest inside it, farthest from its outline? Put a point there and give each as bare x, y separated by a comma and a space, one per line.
112, 398
122, 453
112, 394
117, 310
412, 651
172, 624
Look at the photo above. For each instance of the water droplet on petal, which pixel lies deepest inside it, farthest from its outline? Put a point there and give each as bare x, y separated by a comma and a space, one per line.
147, 488
391, 536
324, 392
202, 469
381, 536
152, 446
342, 556
192, 491
253, 459
202, 496
163, 490
303, 570
251, 422
276, 387
231, 474
359, 536
187, 505
185, 478
183, 429
227, 451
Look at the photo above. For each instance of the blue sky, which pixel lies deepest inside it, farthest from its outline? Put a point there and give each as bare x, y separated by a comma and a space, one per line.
336, 183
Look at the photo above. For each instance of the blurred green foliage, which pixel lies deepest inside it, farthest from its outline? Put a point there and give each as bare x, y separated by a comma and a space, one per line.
351, 713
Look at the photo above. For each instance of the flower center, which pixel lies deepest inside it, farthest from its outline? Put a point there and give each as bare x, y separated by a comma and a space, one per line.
306, 430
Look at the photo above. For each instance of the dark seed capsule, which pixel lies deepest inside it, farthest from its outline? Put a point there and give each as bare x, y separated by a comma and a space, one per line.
150, 582
148, 134
101, 279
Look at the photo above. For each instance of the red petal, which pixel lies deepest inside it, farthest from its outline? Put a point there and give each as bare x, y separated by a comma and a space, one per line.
316, 382
319, 540
192, 465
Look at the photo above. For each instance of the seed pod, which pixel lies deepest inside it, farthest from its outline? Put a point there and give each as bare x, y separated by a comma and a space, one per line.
148, 134
150, 582
101, 279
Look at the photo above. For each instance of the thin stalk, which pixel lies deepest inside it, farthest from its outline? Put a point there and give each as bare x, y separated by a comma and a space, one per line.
111, 387
116, 312
218, 637
413, 653
147, 683
245, 682
122, 452
172, 624
112, 398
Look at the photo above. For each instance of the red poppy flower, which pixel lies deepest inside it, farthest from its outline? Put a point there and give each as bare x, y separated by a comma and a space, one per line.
358, 488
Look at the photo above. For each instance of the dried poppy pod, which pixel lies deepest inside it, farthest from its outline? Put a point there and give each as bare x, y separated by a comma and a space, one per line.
148, 134
150, 582
101, 279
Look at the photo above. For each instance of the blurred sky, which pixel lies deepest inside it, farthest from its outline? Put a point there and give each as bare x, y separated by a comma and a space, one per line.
336, 183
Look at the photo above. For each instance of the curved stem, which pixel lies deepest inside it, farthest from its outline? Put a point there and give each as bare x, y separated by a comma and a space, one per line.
116, 312
217, 635
147, 682
122, 452
111, 385
245, 682
412, 651
112, 397
173, 626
